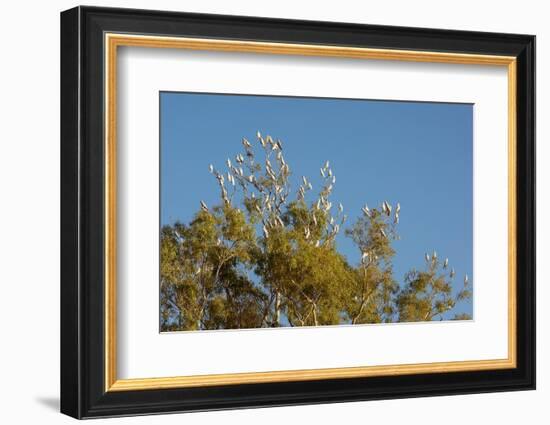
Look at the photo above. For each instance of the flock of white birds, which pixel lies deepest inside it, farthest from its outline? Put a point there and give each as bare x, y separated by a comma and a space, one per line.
272, 191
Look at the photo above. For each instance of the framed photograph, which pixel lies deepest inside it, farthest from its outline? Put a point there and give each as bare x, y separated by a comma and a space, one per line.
261, 212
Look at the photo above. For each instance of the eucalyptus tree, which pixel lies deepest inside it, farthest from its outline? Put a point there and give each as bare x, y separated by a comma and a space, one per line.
428, 294
373, 288
266, 255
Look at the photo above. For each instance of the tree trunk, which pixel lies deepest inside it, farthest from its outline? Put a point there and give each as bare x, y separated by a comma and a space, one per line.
315, 322
277, 309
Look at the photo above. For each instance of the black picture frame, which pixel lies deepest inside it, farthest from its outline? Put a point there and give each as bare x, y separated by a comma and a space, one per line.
82, 212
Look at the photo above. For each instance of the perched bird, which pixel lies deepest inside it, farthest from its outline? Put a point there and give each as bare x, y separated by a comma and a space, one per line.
397, 208
322, 173
387, 208
452, 274
383, 233
228, 162
366, 210
279, 144
266, 233
466, 280
211, 168
246, 143
445, 263
427, 257
258, 134
204, 207
434, 255
340, 207
365, 257
327, 164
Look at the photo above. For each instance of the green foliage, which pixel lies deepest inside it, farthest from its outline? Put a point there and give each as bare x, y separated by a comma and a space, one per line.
427, 294
274, 261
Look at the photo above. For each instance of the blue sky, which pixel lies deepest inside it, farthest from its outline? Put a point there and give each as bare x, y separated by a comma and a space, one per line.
418, 154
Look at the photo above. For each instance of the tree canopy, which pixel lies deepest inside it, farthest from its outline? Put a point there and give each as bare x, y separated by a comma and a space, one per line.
266, 256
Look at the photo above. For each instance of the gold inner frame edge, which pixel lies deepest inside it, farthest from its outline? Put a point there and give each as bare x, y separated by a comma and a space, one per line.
112, 41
